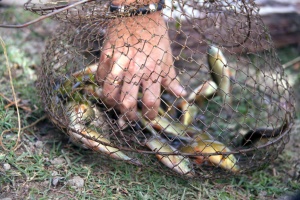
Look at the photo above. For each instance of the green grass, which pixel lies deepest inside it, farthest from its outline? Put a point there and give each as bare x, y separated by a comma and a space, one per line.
109, 179
287, 54
32, 169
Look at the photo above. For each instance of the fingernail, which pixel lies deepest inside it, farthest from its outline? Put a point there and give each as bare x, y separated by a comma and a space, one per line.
181, 91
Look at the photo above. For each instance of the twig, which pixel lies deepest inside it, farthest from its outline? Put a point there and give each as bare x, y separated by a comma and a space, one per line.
13, 91
45, 16
291, 63
10, 103
22, 129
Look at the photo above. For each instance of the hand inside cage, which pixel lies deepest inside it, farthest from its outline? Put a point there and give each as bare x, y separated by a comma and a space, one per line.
192, 135
137, 52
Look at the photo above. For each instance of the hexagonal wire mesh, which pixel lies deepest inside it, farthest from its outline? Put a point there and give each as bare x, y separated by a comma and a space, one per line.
238, 109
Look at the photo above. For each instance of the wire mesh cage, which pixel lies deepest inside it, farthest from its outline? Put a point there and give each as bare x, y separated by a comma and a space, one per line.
195, 89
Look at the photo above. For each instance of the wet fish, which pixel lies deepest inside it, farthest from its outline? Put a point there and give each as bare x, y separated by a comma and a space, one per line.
227, 162
162, 124
190, 111
220, 72
78, 115
261, 136
89, 70
203, 92
178, 163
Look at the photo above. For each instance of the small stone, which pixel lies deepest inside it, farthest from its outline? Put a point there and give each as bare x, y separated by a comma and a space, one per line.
6, 166
44, 183
57, 161
76, 181
262, 194
55, 180
39, 144
54, 173
7, 198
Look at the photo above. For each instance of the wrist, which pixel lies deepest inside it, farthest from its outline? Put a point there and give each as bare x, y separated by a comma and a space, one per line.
135, 26
136, 7
128, 2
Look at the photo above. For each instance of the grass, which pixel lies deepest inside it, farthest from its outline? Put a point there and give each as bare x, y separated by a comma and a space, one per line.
46, 157
117, 181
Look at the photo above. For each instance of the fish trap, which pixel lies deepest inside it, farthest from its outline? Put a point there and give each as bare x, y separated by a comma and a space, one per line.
207, 70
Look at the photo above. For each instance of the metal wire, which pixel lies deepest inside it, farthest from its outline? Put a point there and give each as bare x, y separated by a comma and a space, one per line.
238, 110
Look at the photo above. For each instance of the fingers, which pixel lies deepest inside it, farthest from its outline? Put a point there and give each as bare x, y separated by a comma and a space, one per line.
151, 97
122, 70
129, 93
170, 81
112, 86
111, 79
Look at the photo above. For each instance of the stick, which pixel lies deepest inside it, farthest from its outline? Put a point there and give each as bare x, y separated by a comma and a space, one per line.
45, 16
291, 63
13, 91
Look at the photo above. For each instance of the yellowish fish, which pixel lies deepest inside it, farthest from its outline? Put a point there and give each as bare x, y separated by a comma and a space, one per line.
227, 162
189, 111
93, 91
178, 163
89, 70
203, 92
78, 115
161, 123
199, 95
220, 72
83, 112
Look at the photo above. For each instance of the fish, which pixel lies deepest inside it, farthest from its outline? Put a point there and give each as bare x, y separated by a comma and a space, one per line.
79, 115
220, 72
262, 136
162, 124
189, 112
203, 92
228, 162
89, 70
178, 163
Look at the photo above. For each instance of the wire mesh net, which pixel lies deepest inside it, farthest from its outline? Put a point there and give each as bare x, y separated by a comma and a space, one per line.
195, 90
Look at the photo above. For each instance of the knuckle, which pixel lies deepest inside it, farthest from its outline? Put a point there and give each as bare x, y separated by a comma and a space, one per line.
150, 115
128, 104
109, 99
151, 102
166, 82
108, 96
133, 67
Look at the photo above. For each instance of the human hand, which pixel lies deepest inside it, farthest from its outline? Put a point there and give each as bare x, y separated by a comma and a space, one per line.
137, 52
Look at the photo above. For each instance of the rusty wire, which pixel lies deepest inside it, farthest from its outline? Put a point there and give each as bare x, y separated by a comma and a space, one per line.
245, 119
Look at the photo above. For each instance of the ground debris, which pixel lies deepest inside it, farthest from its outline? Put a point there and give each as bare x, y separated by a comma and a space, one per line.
76, 182
57, 161
39, 144
6, 166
